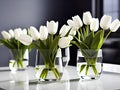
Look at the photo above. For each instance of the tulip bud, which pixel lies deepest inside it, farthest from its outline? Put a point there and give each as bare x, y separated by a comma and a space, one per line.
105, 22
34, 33
77, 21
64, 30
17, 33
64, 42
25, 39
70, 23
24, 31
73, 32
43, 32
70, 37
115, 25
94, 24
11, 32
6, 35
52, 27
87, 18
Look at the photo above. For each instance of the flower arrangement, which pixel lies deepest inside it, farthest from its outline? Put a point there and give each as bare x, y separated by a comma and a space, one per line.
17, 41
89, 38
48, 42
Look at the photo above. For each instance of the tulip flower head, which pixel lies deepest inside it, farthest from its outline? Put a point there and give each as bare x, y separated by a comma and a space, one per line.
105, 22
64, 30
43, 32
6, 35
94, 24
52, 27
87, 18
115, 25
77, 21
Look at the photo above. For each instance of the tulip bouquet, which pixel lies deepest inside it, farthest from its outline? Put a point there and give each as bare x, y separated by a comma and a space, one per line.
18, 42
48, 42
89, 39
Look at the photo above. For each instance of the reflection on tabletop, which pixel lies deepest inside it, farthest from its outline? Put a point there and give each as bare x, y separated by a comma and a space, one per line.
90, 85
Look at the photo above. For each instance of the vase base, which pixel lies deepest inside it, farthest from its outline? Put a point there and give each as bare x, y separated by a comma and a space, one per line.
51, 78
88, 78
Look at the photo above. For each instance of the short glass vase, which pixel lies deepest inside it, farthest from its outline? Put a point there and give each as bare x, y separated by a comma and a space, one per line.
51, 69
18, 60
89, 64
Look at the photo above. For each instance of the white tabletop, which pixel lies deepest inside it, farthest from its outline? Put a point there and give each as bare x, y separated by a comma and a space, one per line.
26, 80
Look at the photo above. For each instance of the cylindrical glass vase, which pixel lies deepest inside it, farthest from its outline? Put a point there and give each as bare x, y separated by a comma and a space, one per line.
18, 60
89, 64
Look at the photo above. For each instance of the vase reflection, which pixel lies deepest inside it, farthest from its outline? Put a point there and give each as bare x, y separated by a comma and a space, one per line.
90, 85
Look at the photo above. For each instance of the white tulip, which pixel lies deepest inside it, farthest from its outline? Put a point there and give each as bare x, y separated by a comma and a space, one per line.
11, 32
25, 39
77, 21
87, 18
105, 22
70, 37
24, 31
34, 33
73, 32
43, 32
71, 23
17, 33
6, 35
115, 25
52, 27
64, 30
64, 42
94, 24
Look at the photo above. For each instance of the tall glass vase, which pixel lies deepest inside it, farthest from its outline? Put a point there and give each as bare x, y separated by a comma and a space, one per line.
48, 69
18, 59
89, 64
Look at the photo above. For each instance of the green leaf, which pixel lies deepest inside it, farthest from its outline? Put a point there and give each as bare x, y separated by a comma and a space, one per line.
89, 39
6, 43
55, 42
82, 67
94, 69
97, 40
87, 68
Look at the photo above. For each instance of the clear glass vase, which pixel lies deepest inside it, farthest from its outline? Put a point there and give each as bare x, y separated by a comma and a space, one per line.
18, 60
89, 64
51, 70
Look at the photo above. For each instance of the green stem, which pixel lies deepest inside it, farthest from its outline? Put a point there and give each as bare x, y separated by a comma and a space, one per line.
107, 35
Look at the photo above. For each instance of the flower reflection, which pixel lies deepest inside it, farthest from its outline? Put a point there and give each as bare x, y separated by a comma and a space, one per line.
90, 85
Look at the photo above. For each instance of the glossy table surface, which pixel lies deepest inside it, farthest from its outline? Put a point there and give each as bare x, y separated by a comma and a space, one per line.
26, 80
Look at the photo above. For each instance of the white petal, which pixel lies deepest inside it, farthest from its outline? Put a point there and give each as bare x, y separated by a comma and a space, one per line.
24, 31
64, 30
70, 23
115, 25
73, 32
43, 32
64, 42
77, 21
25, 39
52, 27
6, 35
94, 24
34, 33
11, 32
105, 22
17, 32
87, 18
